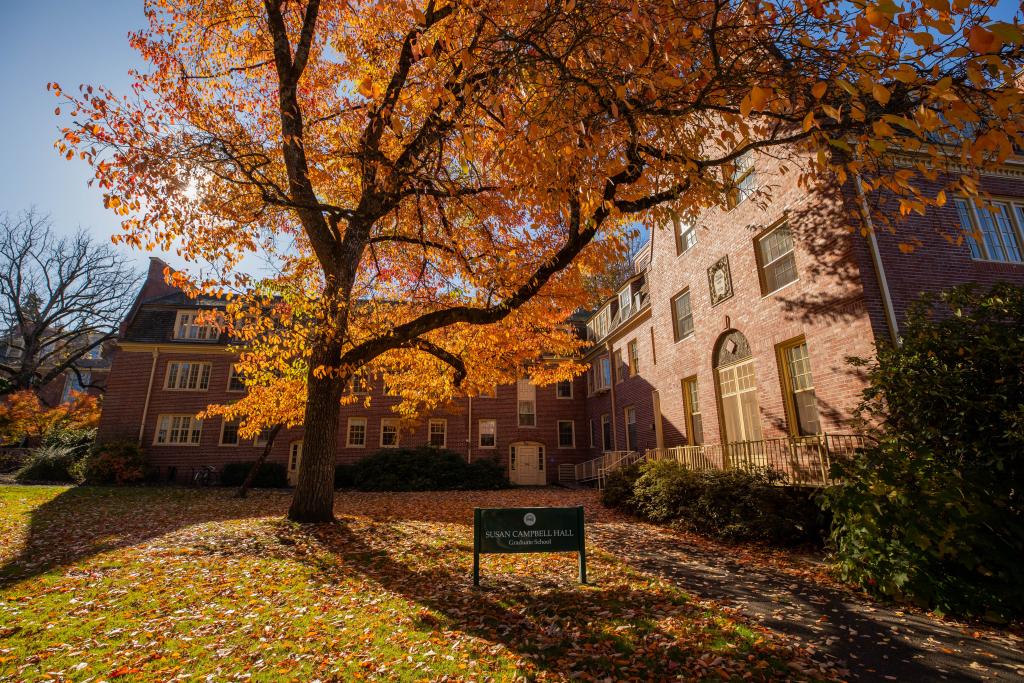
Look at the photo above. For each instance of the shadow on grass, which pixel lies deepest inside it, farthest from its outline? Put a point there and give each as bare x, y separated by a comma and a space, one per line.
625, 626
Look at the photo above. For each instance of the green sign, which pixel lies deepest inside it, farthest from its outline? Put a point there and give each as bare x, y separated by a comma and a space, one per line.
528, 530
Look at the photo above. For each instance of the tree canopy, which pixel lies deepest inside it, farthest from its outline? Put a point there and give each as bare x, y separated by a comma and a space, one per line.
435, 180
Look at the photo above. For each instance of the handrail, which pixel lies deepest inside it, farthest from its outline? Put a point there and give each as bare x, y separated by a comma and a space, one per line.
804, 461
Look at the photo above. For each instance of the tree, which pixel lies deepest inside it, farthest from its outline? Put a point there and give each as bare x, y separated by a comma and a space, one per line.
23, 416
60, 299
446, 173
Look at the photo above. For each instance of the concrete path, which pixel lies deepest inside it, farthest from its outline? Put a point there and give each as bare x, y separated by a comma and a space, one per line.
863, 640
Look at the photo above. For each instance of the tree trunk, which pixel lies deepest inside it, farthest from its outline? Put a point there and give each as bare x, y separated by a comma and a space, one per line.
313, 500
255, 469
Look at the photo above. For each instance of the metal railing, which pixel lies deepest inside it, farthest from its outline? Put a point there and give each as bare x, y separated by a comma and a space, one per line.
803, 461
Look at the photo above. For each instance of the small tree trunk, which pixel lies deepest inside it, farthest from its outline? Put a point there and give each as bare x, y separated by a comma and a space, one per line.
255, 469
313, 500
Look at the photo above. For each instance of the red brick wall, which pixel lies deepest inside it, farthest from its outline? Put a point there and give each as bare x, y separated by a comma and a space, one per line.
123, 408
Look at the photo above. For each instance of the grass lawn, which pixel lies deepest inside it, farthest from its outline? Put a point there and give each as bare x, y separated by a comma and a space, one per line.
165, 583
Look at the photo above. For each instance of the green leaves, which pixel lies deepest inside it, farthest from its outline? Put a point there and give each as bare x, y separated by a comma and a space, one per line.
934, 512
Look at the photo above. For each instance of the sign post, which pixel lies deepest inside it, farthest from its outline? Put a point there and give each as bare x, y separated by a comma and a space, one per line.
528, 530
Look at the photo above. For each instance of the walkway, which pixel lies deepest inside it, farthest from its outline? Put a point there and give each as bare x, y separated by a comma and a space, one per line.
865, 641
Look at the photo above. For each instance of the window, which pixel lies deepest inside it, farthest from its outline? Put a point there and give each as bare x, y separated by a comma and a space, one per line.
686, 236
775, 259
75, 384
599, 324
488, 430
682, 315
600, 375
630, 415
564, 389
625, 303
263, 438
606, 433
742, 180
235, 382
178, 430
15, 346
512, 458
186, 326
438, 433
566, 434
691, 405
800, 397
619, 373
187, 376
358, 384
994, 225
229, 433
356, 432
527, 396
633, 350
389, 432
591, 428
741, 413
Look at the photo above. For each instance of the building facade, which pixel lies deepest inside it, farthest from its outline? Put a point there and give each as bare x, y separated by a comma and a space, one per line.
739, 326
168, 369
735, 328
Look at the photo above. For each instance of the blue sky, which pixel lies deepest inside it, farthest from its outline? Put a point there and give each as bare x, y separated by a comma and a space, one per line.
72, 42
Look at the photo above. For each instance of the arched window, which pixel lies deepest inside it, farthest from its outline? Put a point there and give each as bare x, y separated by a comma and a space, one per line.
737, 385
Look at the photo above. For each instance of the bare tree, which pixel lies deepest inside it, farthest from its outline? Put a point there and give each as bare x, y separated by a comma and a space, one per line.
61, 299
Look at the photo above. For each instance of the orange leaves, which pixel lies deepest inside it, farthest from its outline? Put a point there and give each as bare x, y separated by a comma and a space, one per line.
981, 40
756, 100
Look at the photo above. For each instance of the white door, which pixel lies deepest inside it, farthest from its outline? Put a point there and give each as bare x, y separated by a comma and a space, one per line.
527, 465
294, 458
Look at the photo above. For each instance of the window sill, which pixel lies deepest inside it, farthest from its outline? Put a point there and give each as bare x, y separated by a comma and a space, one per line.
228, 445
348, 445
487, 448
187, 445
186, 390
566, 448
776, 291
990, 262
682, 339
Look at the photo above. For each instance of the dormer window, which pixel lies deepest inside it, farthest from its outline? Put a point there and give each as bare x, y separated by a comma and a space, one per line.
191, 325
625, 303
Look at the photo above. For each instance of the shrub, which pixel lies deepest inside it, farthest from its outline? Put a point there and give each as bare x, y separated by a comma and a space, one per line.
618, 487
424, 469
49, 463
344, 476
272, 475
75, 438
116, 463
933, 511
731, 505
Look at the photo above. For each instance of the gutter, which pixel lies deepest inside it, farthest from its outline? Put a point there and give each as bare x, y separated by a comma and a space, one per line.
876, 258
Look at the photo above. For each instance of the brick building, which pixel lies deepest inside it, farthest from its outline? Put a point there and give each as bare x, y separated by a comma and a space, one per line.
733, 329
168, 368
738, 327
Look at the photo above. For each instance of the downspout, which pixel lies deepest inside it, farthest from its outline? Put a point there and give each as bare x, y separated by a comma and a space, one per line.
876, 258
469, 431
149, 391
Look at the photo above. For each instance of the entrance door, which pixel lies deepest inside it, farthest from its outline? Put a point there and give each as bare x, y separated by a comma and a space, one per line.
740, 411
294, 458
526, 465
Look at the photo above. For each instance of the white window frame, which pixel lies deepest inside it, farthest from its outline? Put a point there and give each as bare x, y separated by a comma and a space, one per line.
567, 383
685, 236
480, 433
994, 237
572, 432
223, 426
676, 333
205, 371
186, 328
195, 429
262, 439
390, 422
444, 433
233, 373
355, 422
763, 265
526, 395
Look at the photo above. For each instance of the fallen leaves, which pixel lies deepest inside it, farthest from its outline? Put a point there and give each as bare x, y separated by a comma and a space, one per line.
166, 584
